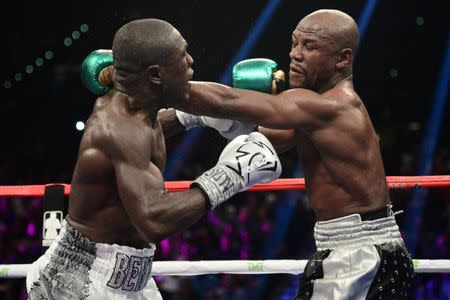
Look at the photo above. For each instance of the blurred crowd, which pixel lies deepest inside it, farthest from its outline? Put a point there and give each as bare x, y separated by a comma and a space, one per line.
396, 74
252, 225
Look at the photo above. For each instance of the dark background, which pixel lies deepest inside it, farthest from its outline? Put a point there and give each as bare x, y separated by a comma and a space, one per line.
38, 113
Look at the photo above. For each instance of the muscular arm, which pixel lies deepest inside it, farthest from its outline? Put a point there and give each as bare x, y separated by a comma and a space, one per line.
295, 108
154, 212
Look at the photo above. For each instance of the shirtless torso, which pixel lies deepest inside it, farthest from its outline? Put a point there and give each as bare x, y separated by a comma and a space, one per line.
96, 209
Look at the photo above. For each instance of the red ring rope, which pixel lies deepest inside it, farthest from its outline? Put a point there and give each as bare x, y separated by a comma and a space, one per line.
394, 182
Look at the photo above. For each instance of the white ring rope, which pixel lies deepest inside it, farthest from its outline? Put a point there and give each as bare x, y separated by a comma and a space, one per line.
189, 268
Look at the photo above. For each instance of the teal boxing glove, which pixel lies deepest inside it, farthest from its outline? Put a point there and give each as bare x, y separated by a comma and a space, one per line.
259, 74
98, 82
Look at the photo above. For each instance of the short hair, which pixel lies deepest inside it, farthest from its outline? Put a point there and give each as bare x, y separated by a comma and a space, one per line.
141, 43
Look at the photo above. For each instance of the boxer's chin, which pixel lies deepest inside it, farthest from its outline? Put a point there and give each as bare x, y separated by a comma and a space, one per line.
296, 81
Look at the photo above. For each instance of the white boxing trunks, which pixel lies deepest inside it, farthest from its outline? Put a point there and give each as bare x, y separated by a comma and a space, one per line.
358, 257
75, 268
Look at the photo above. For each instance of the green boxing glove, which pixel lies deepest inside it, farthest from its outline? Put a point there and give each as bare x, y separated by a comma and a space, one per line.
259, 74
91, 71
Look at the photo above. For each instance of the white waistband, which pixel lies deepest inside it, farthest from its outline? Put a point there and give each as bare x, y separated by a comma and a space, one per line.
351, 231
104, 251
121, 268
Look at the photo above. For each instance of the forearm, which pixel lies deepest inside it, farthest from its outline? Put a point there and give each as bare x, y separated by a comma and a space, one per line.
157, 213
212, 99
248, 76
169, 122
172, 212
220, 101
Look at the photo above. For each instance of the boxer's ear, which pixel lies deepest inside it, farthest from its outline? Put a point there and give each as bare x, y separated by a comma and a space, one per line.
344, 58
154, 74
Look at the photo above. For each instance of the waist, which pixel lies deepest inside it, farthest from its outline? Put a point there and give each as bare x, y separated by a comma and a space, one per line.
118, 267
383, 212
108, 228
336, 207
374, 227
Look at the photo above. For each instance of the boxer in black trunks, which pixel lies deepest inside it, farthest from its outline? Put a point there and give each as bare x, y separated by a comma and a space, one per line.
361, 254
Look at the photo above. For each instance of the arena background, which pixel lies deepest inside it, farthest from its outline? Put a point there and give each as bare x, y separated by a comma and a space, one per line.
401, 72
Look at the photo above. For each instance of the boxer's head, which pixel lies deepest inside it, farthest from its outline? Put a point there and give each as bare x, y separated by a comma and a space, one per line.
323, 45
151, 54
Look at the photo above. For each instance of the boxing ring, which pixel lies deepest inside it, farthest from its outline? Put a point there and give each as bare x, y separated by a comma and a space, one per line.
190, 268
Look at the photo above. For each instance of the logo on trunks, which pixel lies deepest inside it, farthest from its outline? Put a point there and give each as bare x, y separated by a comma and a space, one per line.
131, 273
51, 226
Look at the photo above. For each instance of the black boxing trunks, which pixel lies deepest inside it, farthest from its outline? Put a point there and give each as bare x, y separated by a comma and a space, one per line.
358, 257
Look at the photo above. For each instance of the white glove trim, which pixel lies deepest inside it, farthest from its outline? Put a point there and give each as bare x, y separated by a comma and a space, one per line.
189, 121
219, 184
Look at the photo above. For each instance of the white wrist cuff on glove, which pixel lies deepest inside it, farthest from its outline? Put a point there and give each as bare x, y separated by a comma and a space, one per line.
219, 183
189, 121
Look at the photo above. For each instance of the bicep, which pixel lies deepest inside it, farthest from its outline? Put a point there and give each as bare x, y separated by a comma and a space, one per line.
137, 180
153, 211
138, 184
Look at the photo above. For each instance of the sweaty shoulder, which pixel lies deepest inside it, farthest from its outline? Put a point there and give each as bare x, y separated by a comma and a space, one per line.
299, 92
345, 100
344, 92
352, 116
334, 97
108, 127
313, 110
